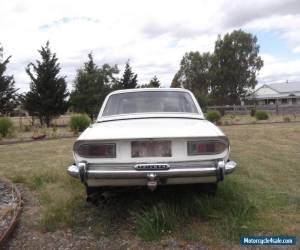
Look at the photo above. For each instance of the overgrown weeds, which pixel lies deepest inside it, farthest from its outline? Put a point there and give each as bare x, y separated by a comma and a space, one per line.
230, 208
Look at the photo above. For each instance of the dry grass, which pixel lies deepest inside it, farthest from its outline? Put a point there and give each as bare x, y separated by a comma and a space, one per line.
23, 130
27, 134
26, 120
262, 196
247, 119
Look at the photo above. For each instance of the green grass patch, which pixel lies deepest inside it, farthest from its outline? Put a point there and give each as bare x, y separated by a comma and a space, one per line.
61, 210
230, 208
42, 177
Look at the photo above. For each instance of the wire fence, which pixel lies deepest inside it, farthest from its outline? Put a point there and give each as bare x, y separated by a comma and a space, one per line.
246, 109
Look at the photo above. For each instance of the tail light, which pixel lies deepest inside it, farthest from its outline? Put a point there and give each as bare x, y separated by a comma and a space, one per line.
94, 149
207, 147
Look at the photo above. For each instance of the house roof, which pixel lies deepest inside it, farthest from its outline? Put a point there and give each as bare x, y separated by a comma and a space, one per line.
282, 90
285, 87
286, 95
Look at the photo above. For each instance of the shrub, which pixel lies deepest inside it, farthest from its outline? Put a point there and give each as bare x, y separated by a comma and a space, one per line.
213, 116
221, 111
261, 115
27, 128
79, 123
6, 126
252, 112
286, 119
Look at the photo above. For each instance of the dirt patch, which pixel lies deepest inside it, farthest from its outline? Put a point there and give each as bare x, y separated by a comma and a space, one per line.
10, 209
16, 141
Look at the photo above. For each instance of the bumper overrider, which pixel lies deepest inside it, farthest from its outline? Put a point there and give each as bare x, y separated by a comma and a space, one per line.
151, 175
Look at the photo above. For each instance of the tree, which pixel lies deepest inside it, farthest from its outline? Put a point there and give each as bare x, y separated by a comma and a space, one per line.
91, 86
8, 92
128, 80
154, 83
48, 90
194, 74
235, 66
28, 103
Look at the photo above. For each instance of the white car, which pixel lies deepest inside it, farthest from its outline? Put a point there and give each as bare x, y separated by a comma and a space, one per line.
150, 137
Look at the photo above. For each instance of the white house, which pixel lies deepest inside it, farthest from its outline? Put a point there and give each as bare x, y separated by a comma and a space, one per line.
287, 93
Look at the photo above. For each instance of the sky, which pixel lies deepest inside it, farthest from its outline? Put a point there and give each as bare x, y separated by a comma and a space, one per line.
153, 35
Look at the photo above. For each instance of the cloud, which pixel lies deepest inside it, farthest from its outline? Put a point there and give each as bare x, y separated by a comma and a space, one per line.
66, 20
277, 70
297, 49
176, 30
239, 13
154, 35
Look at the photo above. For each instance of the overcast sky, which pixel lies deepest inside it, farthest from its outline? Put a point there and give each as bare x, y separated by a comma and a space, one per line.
154, 35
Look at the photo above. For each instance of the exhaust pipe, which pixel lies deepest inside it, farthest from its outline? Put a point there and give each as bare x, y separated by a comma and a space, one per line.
152, 185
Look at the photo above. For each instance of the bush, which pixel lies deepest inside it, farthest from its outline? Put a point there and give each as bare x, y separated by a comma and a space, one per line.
221, 111
6, 126
286, 119
261, 115
27, 128
213, 116
252, 112
78, 123
203, 100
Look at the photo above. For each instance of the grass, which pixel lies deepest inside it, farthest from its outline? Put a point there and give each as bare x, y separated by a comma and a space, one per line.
247, 119
261, 197
27, 121
26, 133
229, 213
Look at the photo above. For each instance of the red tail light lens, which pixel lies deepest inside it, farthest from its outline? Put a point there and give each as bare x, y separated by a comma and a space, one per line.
206, 147
101, 150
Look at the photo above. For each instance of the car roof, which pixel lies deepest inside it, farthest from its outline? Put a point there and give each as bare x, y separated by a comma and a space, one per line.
148, 89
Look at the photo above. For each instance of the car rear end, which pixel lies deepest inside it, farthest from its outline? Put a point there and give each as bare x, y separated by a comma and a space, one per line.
151, 137
151, 162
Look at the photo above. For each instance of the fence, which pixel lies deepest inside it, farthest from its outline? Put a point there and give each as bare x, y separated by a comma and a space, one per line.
27, 121
246, 109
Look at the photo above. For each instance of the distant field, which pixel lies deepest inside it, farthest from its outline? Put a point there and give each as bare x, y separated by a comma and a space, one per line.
60, 128
240, 119
261, 197
25, 121
230, 119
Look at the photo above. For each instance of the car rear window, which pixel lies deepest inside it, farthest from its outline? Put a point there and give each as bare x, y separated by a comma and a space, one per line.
150, 102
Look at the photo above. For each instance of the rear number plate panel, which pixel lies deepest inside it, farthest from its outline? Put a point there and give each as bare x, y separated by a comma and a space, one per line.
151, 149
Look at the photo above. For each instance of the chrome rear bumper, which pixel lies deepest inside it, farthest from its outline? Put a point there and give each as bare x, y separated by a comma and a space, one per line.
127, 175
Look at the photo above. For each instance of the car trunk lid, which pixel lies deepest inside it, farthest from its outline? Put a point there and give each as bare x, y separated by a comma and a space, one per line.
150, 128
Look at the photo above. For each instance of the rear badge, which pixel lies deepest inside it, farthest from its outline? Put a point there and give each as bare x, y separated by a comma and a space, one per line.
152, 166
